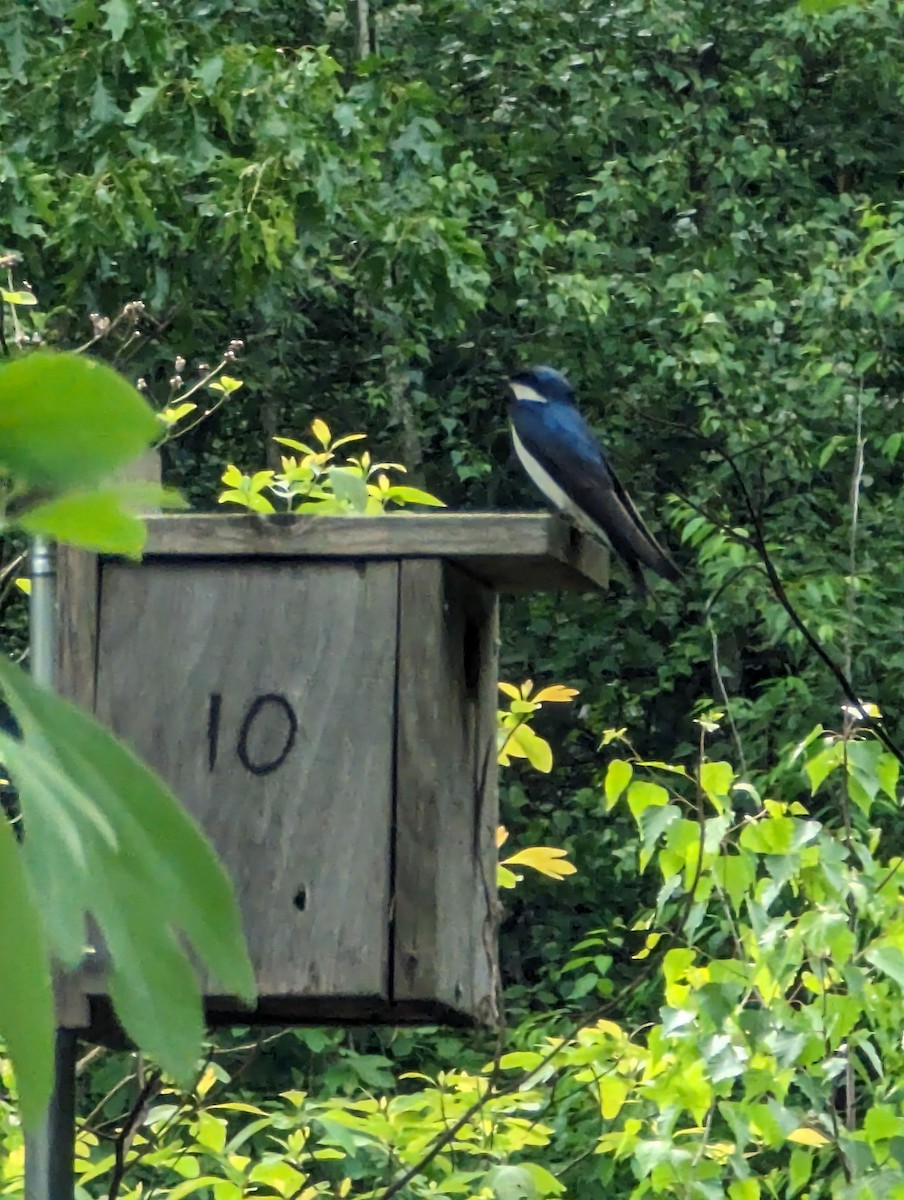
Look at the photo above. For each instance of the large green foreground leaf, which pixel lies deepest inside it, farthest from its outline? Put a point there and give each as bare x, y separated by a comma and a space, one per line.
26, 998
102, 520
68, 421
103, 835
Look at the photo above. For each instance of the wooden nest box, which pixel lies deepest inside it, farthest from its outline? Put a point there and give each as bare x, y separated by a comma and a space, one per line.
321, 695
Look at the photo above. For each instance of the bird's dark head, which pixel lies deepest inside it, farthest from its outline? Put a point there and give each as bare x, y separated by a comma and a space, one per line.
542, 385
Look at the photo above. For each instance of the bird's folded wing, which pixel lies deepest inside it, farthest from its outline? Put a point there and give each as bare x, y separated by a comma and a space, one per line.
575, 462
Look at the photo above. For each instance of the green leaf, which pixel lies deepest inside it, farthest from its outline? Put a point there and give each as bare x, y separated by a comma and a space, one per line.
175, 412
735, 875
863, 759
511, 1183
716, 779
161, 1004
821, 765
26, 997
119, 17
100, 520
103, 106
144, 101
618, 776
882, 1122
642, 795
105, 842
545, 1182
887, 771
94, 520
889, 959
189, 1186
209, 71
349, 486
67, 421
524, 743
410, 495
815, 7
613, 1091
227, 385
253, 500
24, 298
744, 1189
653, 823
519, 1060
293, 445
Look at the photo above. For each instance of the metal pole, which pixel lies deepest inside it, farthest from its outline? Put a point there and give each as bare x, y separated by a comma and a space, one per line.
50, 1149
42, 613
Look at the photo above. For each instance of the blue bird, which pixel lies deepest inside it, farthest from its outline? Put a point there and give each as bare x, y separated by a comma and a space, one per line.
562, 457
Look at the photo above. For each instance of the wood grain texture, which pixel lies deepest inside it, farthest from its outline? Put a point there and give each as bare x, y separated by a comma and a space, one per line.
306, 840
78, 581
446, 804
508, 551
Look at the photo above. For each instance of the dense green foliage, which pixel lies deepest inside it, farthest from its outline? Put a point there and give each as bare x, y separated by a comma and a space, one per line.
695, 209
694, 213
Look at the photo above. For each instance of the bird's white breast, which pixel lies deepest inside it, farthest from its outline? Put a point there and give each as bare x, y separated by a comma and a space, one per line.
551, 490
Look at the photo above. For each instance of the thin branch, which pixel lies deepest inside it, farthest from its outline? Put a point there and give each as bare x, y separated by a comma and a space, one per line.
171, 434
131, 1126
856, 484
717, 671
758, 541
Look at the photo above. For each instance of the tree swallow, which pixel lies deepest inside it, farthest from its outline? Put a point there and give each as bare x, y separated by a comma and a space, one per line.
566, 462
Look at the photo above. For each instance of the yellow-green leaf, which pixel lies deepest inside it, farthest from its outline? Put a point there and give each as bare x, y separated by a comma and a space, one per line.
642, 795
744, 1189
410, 495
805, 1136
175, 412
253, 500
226, 384
613, 1092
321, 432
548, 860
506, 878
524, 743
25, 298
293, 445
716, 779
555, 694
93, 520
618, 776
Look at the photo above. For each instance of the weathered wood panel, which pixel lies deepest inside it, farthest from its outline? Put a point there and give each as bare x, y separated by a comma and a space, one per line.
263, 694
78, 582
446, 802
508, 551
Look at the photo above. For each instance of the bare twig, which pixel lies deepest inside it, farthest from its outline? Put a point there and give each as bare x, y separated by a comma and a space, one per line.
856, 484
758, 541
130, 1127
720, 683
